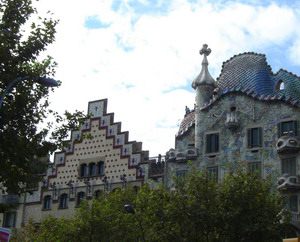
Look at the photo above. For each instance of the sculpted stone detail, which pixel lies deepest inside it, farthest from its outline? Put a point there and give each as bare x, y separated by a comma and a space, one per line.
286, 181
288, 144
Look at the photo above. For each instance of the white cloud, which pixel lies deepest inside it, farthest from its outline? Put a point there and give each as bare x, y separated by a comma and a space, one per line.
161, 58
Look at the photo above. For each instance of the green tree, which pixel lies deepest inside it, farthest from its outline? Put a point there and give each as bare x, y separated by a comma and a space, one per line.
251, 209
24, 138
21, 143
242, 208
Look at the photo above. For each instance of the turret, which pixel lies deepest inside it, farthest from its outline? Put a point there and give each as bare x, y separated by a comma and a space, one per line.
204, 85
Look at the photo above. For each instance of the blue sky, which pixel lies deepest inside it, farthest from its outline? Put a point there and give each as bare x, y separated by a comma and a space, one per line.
143, 54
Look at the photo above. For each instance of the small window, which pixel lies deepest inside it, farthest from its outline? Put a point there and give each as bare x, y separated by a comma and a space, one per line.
80, 198
212, 173
100, 168
287, 128
92, 169
254, 136
83, 170
47, 202
255, 168
293, 203
63, 201
288, 166
279, 86
212, 143
9, 219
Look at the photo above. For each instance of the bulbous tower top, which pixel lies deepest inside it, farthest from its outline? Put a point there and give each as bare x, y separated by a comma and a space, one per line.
204, 78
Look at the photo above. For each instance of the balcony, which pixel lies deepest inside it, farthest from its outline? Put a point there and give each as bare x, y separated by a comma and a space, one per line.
9, 199
288, 144
287, 182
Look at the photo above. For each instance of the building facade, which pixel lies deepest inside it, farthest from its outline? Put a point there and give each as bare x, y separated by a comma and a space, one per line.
248, 117
98, 158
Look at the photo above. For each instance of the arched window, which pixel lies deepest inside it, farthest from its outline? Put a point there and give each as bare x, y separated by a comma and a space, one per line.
80, 197
83, 170
98, 193
279, 85
47, 202
100, 169
63, 201
92, 169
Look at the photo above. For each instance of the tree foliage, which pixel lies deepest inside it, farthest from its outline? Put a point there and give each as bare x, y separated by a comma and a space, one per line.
241, 208
23, 137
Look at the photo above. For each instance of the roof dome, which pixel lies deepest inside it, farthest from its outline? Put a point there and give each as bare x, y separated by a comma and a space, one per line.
247, 71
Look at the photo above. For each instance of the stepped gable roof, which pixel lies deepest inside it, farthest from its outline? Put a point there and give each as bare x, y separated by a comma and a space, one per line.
250, 74
186, 123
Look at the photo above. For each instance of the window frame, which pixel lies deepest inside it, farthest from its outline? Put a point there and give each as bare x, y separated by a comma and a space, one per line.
213, 173
209, 149
63, 201
79, 198
293, 207
47, 202
293, 131
251, 141
291, 167
7, 215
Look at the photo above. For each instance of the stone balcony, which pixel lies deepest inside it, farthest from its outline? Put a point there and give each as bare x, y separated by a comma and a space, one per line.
181, 155
9, 199
288, 182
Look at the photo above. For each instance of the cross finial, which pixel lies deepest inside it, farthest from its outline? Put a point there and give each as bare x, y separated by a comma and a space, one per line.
205, 51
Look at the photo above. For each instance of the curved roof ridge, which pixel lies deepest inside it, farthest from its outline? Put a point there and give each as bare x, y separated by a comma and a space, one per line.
289, 72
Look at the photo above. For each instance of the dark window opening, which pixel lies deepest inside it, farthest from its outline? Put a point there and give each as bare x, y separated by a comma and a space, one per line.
83, 170
288, 166
212, 173
293, 203
287, 128
101, 168
63, 201
47, 202
9, 219
92, 169
212, 143
80, 198
254, 136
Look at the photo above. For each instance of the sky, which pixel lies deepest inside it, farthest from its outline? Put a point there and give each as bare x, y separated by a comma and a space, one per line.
142, 55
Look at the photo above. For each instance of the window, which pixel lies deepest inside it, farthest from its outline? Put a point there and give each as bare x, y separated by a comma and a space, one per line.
254, 137
181, 173
287, 128
212, 173
288, 166
9, 219
63, 201
212, 143
254, 168
293, 203
83, 170
92, 169
279, 85
47, 202
101, 168
80, 197
98, 193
